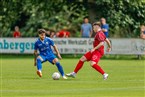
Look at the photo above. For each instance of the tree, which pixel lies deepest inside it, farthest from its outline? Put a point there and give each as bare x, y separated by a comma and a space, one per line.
31, 15
124, 16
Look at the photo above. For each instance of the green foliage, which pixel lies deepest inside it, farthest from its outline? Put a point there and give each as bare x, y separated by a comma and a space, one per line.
124, 16
31, 15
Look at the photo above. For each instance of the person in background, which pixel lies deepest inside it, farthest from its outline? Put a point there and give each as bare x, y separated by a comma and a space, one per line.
105, 27
16, 33
52, 34
48, 33
86, 28
142, 36
63, 33
142, 32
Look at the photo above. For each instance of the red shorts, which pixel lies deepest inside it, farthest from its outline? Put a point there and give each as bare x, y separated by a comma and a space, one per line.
94, 56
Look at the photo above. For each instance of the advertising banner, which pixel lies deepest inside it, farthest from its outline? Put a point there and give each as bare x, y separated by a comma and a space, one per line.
72, 45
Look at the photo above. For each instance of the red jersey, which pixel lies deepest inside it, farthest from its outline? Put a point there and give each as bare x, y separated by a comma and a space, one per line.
99, 37
64, 33
16, 34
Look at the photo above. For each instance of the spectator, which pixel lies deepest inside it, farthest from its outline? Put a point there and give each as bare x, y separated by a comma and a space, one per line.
52, 34
48, 33
105, 27
142, 36
63, 33
17, 33
142, 30
86, 28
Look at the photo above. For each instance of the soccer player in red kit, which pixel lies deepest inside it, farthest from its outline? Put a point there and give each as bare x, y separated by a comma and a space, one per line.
95, 54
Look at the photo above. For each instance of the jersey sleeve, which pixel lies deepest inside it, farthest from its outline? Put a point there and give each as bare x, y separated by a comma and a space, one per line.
35, 46
101, 37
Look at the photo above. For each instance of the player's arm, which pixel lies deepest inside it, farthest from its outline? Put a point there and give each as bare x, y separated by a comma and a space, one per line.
35, 57
91, 32
104, 30
57, 52
98, 46
109, 44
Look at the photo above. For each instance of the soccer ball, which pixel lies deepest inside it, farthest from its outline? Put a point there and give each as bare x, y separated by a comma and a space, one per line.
56, 76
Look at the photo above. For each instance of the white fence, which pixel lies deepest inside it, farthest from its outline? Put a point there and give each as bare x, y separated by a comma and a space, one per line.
72, 45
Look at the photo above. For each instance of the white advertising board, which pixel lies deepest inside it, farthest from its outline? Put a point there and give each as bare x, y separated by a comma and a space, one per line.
72, 45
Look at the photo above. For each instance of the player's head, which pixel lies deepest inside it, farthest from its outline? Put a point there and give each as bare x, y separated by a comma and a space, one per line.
96, 26
17, 28
41, 33
86, 19
103, 21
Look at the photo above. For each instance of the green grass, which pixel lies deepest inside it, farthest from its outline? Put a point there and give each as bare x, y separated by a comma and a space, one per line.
19, 79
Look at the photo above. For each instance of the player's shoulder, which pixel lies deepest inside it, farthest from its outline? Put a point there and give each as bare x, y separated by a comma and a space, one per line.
101, 33
48, 39
37, 40
100, 36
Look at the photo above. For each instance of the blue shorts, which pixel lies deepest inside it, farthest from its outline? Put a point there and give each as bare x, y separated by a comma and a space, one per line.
49, 58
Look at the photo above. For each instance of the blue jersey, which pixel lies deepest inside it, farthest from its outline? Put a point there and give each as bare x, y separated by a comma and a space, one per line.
106, 26
86, 29
44, 46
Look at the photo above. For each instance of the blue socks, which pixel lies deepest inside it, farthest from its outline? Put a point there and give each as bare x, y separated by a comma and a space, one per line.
39, 64
60, 68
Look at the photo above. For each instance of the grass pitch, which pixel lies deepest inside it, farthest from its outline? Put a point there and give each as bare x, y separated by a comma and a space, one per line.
19, 79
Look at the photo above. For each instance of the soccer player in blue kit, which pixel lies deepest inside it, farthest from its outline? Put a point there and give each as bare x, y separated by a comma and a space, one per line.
44, 44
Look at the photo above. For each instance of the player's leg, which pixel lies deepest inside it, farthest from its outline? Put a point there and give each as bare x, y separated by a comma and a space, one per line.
94, 63
39, 60
79, 65
59, 67
97, 67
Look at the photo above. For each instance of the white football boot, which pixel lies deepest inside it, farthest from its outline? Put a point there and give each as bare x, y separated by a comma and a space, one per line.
72, 74
105, 76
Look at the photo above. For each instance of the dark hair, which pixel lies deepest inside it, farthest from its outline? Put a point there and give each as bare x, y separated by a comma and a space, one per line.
41, 31
86, 17
97, 23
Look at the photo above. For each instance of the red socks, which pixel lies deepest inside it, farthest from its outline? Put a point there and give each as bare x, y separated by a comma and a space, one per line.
79, 66
95, 66
98, 68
